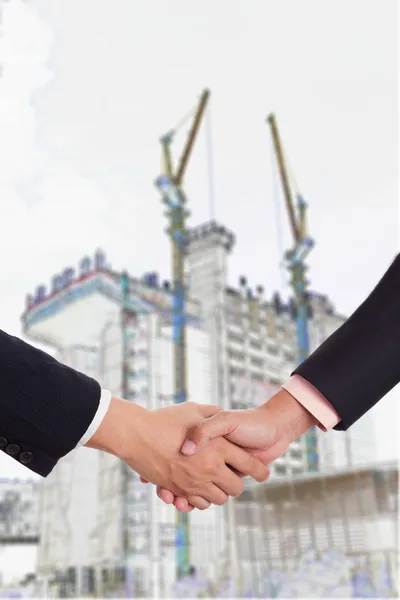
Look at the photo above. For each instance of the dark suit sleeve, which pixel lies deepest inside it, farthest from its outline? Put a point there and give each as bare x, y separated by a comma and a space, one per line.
45, 407
360, 362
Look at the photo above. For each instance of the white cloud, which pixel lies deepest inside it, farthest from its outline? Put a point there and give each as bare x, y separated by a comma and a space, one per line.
51, 213
25, 45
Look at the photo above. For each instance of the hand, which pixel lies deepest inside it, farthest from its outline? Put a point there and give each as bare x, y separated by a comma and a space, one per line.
150, 441
266, 432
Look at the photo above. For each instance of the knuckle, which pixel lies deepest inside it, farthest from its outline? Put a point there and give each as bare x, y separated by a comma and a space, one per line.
206, 465
210, 468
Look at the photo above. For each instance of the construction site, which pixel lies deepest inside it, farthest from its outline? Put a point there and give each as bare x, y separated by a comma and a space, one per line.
325, 525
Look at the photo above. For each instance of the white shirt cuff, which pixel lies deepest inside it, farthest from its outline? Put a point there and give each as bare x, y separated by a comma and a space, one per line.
102, 409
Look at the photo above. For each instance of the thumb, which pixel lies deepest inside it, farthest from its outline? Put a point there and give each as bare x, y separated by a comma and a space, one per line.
220, 424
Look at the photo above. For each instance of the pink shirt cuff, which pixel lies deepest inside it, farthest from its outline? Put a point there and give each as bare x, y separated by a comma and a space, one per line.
316, 404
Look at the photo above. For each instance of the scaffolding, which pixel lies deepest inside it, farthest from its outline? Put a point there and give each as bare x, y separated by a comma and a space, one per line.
132, 544
332, 534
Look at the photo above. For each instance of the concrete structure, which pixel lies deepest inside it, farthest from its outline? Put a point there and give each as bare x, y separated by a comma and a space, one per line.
19, 511
342, 515
240, 348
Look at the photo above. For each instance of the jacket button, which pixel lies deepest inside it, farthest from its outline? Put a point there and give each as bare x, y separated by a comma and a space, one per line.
26, 458
3, 442
13, 449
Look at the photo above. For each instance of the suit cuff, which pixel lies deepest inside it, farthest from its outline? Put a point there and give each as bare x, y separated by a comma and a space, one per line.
102, 409
316, 404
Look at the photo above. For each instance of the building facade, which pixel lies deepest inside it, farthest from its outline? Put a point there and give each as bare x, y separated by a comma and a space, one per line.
90, 500
240, 348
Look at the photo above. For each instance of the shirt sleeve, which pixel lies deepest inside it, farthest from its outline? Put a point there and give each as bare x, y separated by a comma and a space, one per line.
101, 412
316, 404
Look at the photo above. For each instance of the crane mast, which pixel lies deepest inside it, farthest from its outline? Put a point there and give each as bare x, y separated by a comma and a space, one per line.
170, 185
295, 260
128, 319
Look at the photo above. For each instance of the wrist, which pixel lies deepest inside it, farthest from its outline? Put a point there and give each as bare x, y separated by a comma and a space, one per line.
290, 417
118, 431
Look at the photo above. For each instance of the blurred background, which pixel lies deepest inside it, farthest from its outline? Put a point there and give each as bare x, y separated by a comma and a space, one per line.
226, 173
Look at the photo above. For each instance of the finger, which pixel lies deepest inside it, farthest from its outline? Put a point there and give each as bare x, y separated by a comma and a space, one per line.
236, 471
179, 502
242, 461
143, 480
199, 502
221, 424
213, 494
229, 482
165, 495
183, 505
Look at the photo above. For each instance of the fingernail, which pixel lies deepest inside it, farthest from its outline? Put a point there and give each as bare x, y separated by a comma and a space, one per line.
189, 447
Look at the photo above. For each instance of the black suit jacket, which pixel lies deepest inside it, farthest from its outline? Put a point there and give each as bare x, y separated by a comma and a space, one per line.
360, 362
45, 407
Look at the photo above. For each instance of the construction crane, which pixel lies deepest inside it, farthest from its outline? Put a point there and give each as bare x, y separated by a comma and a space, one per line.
295, 261
170, 184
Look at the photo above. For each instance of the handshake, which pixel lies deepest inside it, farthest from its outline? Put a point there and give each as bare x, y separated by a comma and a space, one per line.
197, 455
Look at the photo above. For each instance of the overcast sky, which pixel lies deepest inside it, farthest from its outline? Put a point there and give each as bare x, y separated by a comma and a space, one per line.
89, 86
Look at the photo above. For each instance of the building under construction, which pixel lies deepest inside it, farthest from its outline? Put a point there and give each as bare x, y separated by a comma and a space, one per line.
83, 543
196, 338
